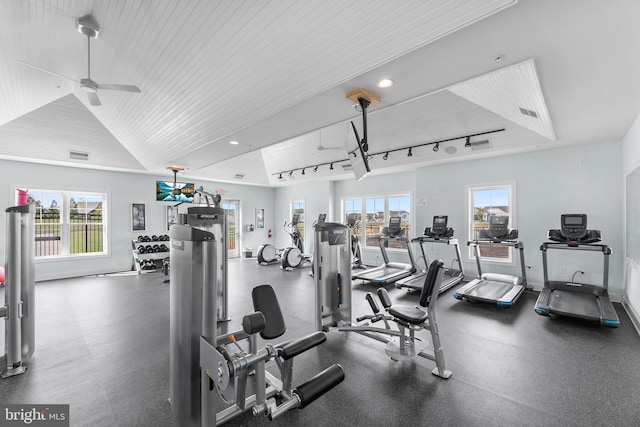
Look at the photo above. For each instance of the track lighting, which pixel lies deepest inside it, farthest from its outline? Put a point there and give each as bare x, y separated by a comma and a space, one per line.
435, 146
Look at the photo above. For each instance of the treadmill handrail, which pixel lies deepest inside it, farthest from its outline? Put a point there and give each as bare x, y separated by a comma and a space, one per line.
512, 243
426, 239
606, 249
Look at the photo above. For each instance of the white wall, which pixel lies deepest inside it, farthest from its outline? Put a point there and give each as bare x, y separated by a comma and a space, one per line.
631, 161
122, 189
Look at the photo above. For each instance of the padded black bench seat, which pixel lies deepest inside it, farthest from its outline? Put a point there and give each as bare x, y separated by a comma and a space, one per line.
409, 314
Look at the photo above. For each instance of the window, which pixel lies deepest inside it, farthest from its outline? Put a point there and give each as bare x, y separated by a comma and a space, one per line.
68, 223
297, 208
485, 201
374, 213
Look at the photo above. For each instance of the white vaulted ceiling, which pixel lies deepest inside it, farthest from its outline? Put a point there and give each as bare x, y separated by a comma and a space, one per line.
273, 75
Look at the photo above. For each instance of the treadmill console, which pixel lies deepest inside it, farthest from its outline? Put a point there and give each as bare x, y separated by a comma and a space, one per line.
573, 226
394, 228
321, 218
439, 228
295, 219
573, 231
498, 229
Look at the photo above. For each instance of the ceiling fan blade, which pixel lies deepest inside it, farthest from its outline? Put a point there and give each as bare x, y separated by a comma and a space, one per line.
93, 99
47, 71
123, 88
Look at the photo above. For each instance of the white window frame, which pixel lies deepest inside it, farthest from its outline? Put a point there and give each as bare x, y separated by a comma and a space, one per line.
65, 224
363, 215
511, 187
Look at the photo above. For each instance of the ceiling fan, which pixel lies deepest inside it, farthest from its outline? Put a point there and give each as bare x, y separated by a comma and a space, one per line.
88, 26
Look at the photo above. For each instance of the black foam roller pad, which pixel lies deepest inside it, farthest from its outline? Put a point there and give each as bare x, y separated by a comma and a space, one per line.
253, 323
294, 347
319, 385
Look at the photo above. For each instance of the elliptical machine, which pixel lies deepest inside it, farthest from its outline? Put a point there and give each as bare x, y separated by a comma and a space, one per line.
268, 254
293, 256
356, 248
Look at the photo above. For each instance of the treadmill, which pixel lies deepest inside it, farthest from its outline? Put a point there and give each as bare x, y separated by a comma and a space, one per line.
389, 272
589, 302
437, 233
501, 289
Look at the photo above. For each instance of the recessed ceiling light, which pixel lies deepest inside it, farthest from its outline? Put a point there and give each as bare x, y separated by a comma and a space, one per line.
234, 142
498, 58
385, 83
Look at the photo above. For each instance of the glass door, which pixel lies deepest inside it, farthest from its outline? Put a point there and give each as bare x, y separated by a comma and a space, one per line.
232, 209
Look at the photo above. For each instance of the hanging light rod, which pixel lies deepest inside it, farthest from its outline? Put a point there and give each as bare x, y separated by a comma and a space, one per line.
386, 153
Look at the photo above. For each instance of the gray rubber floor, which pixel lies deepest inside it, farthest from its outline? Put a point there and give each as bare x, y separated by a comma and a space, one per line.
102, 346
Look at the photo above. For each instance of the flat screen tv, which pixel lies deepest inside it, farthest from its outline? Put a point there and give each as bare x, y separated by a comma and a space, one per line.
359, 162
168, 191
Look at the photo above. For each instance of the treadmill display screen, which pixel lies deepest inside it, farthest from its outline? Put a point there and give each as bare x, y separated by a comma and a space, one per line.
394, 224
439, 224
499, 220
573, 220
573, 226
498, 226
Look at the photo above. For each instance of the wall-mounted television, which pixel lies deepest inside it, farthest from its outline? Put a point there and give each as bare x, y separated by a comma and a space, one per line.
168, 191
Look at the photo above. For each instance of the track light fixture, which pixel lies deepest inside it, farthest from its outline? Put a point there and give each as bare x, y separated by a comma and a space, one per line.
385, 154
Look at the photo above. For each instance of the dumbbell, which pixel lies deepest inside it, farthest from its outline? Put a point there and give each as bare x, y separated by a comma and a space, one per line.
164, 248
140, 238
141, 249
155, 238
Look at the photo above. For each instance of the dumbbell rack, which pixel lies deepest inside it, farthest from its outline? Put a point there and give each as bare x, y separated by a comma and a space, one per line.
155, 257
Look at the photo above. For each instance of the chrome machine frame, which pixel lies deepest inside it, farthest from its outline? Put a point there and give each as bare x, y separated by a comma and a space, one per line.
19, 307
205, 366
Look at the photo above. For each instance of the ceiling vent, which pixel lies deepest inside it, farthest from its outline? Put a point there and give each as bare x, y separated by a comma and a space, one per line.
529, 113
239, 176
78, 155
480, 145
347, 167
